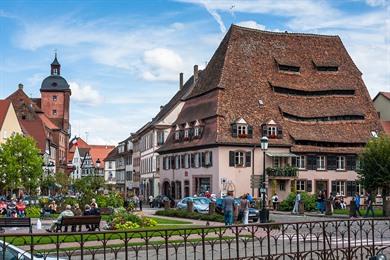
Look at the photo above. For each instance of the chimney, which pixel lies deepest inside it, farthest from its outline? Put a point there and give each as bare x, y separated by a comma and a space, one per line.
161, 107
196, 73
181, 80
20, 86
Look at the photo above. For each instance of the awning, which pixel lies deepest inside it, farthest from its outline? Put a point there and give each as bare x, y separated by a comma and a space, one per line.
270, 154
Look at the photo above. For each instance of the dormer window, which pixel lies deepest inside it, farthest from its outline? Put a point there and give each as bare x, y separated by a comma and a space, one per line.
272, 130
187, 131
177, 133
241, 129
327, 68
197, 129
288, 68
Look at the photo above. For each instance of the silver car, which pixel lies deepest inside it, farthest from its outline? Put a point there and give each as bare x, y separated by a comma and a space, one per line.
13, 253
201, 204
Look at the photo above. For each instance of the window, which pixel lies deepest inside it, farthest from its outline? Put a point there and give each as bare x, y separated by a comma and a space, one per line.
186, 133
288, 68
321, 162
276, 162
208, 158
301, 185
272, 131
238, 159
340, 163
177, 162
196, 132
160, 137
197, 160
242, 130
54, 98
327, 68
177, 135
301, 162
109, 165
282, 185
166, 163
54, 112
340, 188
186, 161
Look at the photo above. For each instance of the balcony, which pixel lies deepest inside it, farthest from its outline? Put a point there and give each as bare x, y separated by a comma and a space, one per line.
287, 171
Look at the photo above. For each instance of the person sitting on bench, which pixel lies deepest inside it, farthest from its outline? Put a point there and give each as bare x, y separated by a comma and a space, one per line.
66, 213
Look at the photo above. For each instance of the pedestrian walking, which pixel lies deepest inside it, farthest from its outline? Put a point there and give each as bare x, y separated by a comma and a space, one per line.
151, 201
357, 202
141, 199
244, 209
227, 207
296, 203
369, 204
352, 208
275, 201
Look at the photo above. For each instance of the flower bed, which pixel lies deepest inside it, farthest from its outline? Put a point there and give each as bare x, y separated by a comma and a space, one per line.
123, 220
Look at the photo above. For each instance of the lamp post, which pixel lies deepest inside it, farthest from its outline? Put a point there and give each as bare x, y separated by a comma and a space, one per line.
264, 211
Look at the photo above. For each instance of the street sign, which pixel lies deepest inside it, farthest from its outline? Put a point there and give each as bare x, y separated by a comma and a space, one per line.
263, 190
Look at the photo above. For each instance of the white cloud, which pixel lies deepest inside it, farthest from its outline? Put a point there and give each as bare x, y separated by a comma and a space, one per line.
377, 2
162, 64
85, 94
251, 24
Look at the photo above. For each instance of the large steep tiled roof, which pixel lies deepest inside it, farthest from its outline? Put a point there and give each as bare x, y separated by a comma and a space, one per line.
36, 130
244, 70
100, 152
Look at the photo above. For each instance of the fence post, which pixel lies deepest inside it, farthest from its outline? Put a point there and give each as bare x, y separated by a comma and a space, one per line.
297, 228
203, 246
237, 243
349, 239
126, 247
373, 236
166, 245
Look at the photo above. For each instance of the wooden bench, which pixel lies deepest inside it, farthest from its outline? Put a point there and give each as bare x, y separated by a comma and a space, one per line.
16, 222
93, 221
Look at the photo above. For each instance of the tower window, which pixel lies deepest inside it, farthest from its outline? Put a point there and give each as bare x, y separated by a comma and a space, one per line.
54, 98
55, 71
54, 112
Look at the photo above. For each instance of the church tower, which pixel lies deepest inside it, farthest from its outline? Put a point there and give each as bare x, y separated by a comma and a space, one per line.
55, 97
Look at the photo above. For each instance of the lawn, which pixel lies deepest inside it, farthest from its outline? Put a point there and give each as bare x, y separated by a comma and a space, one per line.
165, 221
377, 212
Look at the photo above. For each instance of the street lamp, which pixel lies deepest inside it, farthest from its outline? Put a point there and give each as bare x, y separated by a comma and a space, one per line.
264, 212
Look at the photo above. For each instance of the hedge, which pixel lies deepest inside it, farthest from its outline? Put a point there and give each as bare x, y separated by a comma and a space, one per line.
308, 200
179, 213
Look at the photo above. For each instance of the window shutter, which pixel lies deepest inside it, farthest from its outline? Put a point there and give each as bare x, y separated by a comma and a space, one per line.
211, 158
248, 159
172, 160
351, 162
280, 131
234, 130
203, 162
250, 131
182, 160
309, 186
200, 132
354, 187
192, 160
334, 189
191, 133
264, 130
331, 162
311, 162
181, 135
231, 158
164, 163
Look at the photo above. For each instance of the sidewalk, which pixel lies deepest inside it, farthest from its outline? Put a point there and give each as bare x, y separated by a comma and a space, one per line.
310, 214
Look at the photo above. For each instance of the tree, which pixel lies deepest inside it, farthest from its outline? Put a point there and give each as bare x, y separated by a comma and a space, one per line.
375, 165
20, 163
62, 180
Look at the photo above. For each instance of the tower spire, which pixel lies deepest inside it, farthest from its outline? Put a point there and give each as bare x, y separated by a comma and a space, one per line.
55, 65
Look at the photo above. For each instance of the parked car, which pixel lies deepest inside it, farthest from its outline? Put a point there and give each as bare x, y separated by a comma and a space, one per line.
253, 213
158, 201
13, 252
201, 204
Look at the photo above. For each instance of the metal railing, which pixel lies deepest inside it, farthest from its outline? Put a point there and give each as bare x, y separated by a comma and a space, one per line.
286, 171
330, 239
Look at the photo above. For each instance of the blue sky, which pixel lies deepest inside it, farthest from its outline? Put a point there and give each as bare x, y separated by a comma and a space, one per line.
123, 58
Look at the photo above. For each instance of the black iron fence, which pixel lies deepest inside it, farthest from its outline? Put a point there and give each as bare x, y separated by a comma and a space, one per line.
335, 239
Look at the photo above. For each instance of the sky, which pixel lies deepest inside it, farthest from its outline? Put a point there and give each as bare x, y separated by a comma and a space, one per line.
122, 59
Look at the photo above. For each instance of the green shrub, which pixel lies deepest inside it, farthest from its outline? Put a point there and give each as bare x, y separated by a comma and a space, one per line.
33, 212
70, 201
101, 200
114, 200
308, 199
43, 202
